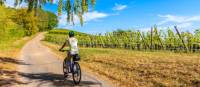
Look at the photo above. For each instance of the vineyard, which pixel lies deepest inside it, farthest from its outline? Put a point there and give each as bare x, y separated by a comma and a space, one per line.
155, 39
138, 66
129, 68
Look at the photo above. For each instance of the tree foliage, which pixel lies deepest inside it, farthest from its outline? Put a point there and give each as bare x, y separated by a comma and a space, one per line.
52, 20
46, 20
32, 24
27, 20
9, 30
15, 20
71, 7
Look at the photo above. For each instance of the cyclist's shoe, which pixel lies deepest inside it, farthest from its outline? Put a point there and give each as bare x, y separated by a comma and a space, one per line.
66, 75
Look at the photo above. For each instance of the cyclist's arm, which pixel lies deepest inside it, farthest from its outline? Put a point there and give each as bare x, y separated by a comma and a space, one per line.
63, 45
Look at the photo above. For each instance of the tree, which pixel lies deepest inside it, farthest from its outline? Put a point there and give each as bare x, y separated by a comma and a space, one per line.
119, 32
42, 22
1, 2
46, 20
27, 20
52, 20
71, 7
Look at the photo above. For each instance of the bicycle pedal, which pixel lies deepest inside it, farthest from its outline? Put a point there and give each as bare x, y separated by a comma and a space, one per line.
66, 76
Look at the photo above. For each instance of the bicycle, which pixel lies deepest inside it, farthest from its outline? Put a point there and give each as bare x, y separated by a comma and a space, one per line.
73, 67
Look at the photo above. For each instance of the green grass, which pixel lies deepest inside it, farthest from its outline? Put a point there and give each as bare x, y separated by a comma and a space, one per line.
10, 39
143, 69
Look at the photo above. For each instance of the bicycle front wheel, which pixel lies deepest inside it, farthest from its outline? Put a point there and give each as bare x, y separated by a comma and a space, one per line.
65, 69
76, 74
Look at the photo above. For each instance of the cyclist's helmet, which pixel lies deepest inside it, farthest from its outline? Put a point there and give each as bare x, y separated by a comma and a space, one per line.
71, 34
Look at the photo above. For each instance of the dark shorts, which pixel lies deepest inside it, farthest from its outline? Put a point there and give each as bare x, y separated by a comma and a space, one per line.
75, 57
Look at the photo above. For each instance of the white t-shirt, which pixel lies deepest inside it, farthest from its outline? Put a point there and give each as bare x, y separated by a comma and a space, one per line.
73, 44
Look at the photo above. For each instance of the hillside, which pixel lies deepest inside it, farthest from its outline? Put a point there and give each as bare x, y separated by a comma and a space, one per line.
10, 31
16, 28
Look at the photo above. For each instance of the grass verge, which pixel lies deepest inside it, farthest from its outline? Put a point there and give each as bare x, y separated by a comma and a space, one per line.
141, 69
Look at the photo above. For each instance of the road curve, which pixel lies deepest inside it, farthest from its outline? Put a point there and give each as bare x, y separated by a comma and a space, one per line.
42, 68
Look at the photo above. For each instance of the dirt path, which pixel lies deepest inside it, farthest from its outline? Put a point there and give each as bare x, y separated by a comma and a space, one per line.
43, 69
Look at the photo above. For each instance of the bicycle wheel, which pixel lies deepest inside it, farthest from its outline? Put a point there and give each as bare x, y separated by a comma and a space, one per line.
65, 69
76, 73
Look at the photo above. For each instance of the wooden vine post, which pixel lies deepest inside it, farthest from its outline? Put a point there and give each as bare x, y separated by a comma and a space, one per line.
151, 45
158, 37
143, 39
186, 49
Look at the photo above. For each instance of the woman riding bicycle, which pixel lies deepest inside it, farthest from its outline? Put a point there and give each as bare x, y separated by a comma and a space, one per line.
72, 42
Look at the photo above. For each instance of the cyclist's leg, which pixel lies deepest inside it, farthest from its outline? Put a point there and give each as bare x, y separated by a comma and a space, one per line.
66, 61
65, 68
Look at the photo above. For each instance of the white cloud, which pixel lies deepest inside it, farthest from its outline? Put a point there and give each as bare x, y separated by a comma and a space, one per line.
183, 22
145, 29
119, 7
148, 29
62, 19
94, 16
55, 1
185, 25
178, 19
10, 3
90, 16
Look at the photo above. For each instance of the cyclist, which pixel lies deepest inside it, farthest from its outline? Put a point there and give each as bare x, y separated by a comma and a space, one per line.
72, 42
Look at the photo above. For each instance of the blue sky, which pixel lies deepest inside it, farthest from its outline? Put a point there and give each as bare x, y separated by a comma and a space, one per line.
136, 14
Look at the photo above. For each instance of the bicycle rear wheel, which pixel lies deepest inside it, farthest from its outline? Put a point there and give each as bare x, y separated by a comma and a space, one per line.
76, 74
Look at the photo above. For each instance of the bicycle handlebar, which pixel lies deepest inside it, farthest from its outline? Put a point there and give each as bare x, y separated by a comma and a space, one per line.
63, 50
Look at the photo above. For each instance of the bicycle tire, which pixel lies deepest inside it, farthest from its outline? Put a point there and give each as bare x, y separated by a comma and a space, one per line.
76, 70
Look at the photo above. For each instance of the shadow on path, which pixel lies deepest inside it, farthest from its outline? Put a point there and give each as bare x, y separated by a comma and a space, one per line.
8, 77
12, 60
54, 79
42, 78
